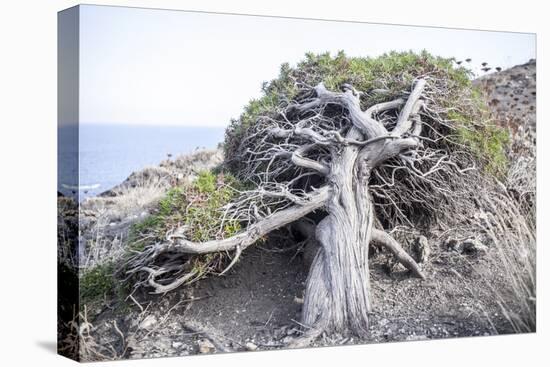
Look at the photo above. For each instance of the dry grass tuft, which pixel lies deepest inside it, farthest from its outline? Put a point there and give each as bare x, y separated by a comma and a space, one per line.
515, 236
80, 343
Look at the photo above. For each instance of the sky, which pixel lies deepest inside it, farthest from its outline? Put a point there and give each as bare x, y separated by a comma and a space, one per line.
161, 67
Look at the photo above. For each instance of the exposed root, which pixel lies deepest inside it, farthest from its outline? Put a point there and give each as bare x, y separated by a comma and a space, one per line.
162, 263
306, 338
395, 248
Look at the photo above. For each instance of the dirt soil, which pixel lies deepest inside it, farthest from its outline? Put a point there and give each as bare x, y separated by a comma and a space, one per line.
257, 305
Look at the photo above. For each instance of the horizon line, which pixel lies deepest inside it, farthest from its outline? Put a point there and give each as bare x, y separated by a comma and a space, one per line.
106, 123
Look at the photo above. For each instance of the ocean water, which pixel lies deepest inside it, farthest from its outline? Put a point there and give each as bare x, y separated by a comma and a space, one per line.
108, 154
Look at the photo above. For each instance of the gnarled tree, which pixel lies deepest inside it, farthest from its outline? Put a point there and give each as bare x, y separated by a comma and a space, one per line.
366, 144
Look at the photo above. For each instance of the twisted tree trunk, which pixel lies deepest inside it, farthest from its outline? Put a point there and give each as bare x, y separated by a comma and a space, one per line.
338, 293
338, 289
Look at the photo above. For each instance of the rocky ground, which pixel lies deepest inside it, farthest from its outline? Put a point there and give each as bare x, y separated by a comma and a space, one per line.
257, 304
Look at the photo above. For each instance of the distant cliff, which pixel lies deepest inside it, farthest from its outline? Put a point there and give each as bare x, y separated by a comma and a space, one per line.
511, 94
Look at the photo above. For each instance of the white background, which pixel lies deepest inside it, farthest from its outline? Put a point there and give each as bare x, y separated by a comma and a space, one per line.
28, 181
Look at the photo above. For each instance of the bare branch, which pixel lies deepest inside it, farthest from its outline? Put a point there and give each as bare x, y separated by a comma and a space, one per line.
252, 234
303, 162
411, 107
381, 107
350, 101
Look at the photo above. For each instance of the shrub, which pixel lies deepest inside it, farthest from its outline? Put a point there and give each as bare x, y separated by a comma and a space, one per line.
394, 72
197, 207
207, 194
97, 283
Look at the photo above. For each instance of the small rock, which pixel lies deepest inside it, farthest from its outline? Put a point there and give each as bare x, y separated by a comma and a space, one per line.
287, 339
206, 346
148, 322
469, 246
416, 337
251, 346
422, 249
177, 345
452, 244
473, 246
298, 300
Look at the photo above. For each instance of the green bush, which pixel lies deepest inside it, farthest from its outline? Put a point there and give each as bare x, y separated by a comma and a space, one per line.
487, 142
97, 283
394, 72
199, 208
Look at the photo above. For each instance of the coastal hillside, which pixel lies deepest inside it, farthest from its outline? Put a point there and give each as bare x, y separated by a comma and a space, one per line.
105, 220
512, 98
511, 95
257, 303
